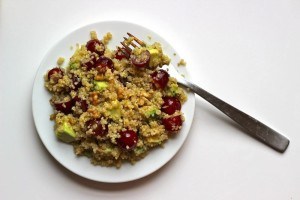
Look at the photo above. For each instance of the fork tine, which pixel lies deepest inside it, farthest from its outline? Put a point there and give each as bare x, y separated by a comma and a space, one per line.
140, 42
125, 52
132, 44
128, 49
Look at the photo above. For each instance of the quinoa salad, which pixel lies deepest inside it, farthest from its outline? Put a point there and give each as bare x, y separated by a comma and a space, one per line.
114, 106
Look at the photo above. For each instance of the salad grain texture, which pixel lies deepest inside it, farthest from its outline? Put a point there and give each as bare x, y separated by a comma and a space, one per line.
114, 106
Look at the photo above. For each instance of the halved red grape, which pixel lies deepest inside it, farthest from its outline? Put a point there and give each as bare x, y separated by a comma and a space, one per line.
76, 80
91, 63
128, 139
97, 128
96, 46
172, 124
104, 63
170, 105
54, 71
81, 103
160, 78
64, 107
141, 60
119, 54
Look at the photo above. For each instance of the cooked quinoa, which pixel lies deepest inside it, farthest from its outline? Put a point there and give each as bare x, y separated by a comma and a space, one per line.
181, 63
60, 61
113, 108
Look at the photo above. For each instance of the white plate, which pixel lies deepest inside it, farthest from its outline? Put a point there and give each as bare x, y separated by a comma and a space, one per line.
62, 152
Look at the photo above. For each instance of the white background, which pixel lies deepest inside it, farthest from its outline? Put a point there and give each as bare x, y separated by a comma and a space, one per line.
245, 52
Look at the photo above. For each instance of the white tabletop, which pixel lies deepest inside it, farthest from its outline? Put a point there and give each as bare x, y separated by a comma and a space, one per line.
245, 52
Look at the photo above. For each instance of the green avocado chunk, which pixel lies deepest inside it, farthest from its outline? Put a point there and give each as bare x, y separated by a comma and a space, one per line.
115, 111
152, 113
65, 132
154, 56
173, 90
75, 65
100, 85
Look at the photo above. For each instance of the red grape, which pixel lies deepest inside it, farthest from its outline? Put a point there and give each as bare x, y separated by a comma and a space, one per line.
141, 60
91, 63
81, 103
97, 128
104, 63
119, 54
96, 46
128, 139
160, 78
64, 107
170, 105
55, 70
172, 124
76, 82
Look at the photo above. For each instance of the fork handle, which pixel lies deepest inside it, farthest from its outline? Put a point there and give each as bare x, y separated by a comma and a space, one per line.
252, 126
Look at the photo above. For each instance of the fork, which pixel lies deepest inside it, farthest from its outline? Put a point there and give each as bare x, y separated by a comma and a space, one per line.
252, 126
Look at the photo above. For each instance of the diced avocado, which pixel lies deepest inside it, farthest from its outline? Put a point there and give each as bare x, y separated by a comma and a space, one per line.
75, 65
156, 139
139, 150
115, 111
109, 150
155, 57
100, 85
153, 112
173, 90
153, 52
153, 139
65, 132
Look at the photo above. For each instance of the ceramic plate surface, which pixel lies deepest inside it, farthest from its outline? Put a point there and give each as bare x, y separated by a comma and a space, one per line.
62, 152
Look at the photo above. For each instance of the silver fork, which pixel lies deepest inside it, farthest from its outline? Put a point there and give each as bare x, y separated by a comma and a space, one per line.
252, 126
